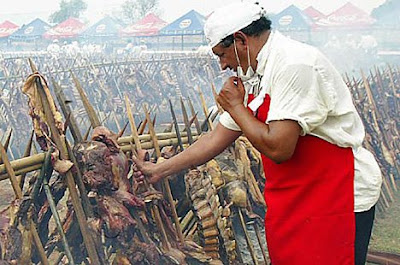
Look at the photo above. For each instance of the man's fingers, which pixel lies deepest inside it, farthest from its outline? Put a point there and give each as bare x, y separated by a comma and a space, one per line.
240, 82
137, 173
153, 180
142, 155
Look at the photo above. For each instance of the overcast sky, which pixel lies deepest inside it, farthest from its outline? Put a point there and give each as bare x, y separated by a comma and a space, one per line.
23, 11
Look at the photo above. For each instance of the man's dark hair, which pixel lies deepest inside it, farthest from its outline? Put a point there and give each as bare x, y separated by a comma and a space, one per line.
254, 29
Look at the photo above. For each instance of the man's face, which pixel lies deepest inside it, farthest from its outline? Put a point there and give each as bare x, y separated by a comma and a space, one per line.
227, 57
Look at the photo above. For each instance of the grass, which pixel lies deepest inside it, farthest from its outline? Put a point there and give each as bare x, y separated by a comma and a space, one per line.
386, 231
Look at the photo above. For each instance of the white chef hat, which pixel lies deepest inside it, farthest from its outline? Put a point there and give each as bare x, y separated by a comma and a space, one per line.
229, 19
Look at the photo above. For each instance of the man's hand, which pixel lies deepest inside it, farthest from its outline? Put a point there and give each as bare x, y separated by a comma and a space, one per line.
231, 94
143, 169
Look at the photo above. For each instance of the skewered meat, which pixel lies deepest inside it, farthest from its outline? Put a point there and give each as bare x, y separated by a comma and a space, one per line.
105, 168
16, 234
36, 110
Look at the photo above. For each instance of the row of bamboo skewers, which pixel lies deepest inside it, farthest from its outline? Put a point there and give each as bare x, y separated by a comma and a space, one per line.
10, 170
371, 95
377, 99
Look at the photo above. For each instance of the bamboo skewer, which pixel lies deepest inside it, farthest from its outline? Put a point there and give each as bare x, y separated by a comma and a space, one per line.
165, 180
186, 121
27, 152
175, 121
18, 194
196, 120
34, 162
94, 120
47, 173
59, 140
6, 144
87, 207
260, 243
66, 109
155, 210
215, 94
204, 105
374, 112
248, 240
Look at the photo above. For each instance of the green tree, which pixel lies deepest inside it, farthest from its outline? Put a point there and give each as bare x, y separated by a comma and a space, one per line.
68, 8
133, 10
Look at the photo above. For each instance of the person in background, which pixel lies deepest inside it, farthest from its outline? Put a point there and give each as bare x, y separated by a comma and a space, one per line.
54, 48
292, 104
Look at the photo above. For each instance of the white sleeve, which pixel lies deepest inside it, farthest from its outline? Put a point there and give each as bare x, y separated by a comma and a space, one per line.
228, 122
296, 94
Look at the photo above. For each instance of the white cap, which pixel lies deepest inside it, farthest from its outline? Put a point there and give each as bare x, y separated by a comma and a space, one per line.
229, 19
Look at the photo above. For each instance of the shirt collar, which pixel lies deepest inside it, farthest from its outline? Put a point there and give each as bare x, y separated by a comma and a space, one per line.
264, 53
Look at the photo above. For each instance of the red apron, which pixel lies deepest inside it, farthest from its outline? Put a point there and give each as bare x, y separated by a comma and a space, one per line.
310, 199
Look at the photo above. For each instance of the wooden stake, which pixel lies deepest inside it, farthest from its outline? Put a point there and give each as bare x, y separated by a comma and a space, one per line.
27, 152
154, 208
205, 109
167, 188
66, 109
196, 120
59, 140
374, 112
248, 240
18, 194
53, 207
34, 162
186, 121
94, 120
215, 94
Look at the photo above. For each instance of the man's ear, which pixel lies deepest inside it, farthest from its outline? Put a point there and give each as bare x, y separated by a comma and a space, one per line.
240, 38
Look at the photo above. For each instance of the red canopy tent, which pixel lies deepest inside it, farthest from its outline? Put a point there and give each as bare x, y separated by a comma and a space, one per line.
313, 13
150, 25
7, 28
347, 16
69, 28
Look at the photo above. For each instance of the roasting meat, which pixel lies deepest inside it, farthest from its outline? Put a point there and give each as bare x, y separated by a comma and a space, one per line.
36, 110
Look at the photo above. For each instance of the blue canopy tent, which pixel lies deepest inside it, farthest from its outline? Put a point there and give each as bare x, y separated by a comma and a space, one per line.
386, 30
291, 19
191, 25
389, 20
293, 22
30, 32
106, 28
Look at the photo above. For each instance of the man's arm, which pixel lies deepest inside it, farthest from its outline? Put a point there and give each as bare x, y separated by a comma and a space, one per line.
276, 140
204, 149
